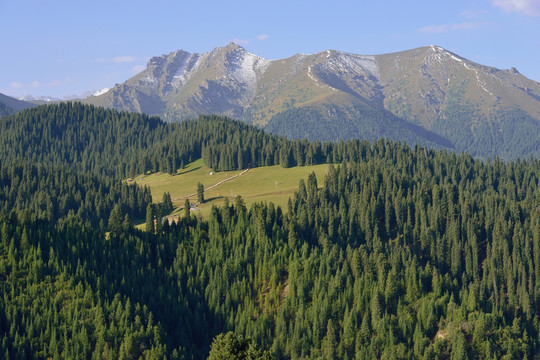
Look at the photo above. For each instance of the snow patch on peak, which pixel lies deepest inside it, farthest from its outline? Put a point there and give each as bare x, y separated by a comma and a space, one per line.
27, 97
436, 48
357, 64
317, 80
252, 63
185, 68
246, 68
480, 83
439, 54
101, 92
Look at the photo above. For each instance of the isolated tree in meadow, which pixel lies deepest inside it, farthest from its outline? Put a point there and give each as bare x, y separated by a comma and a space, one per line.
187, 208
200, 193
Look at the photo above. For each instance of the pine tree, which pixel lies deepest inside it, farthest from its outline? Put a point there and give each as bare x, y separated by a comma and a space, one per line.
166, 204
116, 220
200, 193
330, 346
459, 350
159, 219
230, 346
150, 217
25, 242
187, 209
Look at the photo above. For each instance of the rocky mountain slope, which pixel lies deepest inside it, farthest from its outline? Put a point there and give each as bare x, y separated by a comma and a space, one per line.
425, 95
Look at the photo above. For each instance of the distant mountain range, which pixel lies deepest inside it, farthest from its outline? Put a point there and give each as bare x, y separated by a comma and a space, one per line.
9, 105
426, 95
48, 99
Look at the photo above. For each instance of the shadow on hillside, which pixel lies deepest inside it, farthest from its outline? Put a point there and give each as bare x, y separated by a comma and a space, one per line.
214, 198
188, 171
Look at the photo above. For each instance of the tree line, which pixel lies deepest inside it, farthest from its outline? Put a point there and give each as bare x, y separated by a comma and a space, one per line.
121, 144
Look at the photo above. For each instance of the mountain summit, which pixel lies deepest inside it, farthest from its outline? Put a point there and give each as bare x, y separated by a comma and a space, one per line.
427, 94
183, 85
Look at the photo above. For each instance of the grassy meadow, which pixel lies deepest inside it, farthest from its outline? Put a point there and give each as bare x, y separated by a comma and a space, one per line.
269, 183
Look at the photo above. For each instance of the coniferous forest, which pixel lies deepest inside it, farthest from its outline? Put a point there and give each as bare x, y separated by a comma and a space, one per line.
398, 253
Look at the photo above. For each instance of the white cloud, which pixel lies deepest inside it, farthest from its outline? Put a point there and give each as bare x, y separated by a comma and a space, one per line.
262, 37
36, 84
137, 69
16, 85
527, 7
452, 27
124, 59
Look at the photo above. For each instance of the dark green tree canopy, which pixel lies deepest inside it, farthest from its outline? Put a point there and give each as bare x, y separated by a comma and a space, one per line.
200, 192
230, 347
397, 253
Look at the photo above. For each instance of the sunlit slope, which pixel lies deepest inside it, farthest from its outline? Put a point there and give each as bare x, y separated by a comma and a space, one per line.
269, 183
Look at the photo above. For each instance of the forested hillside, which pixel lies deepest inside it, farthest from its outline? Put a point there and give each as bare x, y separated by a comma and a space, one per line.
397, 253
54, 193
368, 124
120, 144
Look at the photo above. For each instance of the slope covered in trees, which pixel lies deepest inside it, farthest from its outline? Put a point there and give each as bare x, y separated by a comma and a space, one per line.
54, 193
397, 253
121, 144
332, 123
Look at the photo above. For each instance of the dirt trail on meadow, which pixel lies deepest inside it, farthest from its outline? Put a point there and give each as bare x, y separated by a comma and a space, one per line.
213, 186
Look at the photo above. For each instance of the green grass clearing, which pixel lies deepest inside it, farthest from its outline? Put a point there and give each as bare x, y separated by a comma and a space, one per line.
268, 184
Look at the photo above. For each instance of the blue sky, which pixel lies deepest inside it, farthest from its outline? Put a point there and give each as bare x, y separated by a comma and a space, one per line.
64, 47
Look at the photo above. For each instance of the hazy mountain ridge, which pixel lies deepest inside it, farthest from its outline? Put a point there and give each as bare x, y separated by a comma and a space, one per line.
9, 105
429, 87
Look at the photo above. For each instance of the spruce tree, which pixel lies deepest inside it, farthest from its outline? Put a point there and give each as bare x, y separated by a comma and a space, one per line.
150, 216
200, 193
166, 204
116, 220
187, 209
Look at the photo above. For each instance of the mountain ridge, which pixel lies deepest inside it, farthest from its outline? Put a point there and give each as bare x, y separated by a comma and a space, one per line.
427, 87
10, 105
